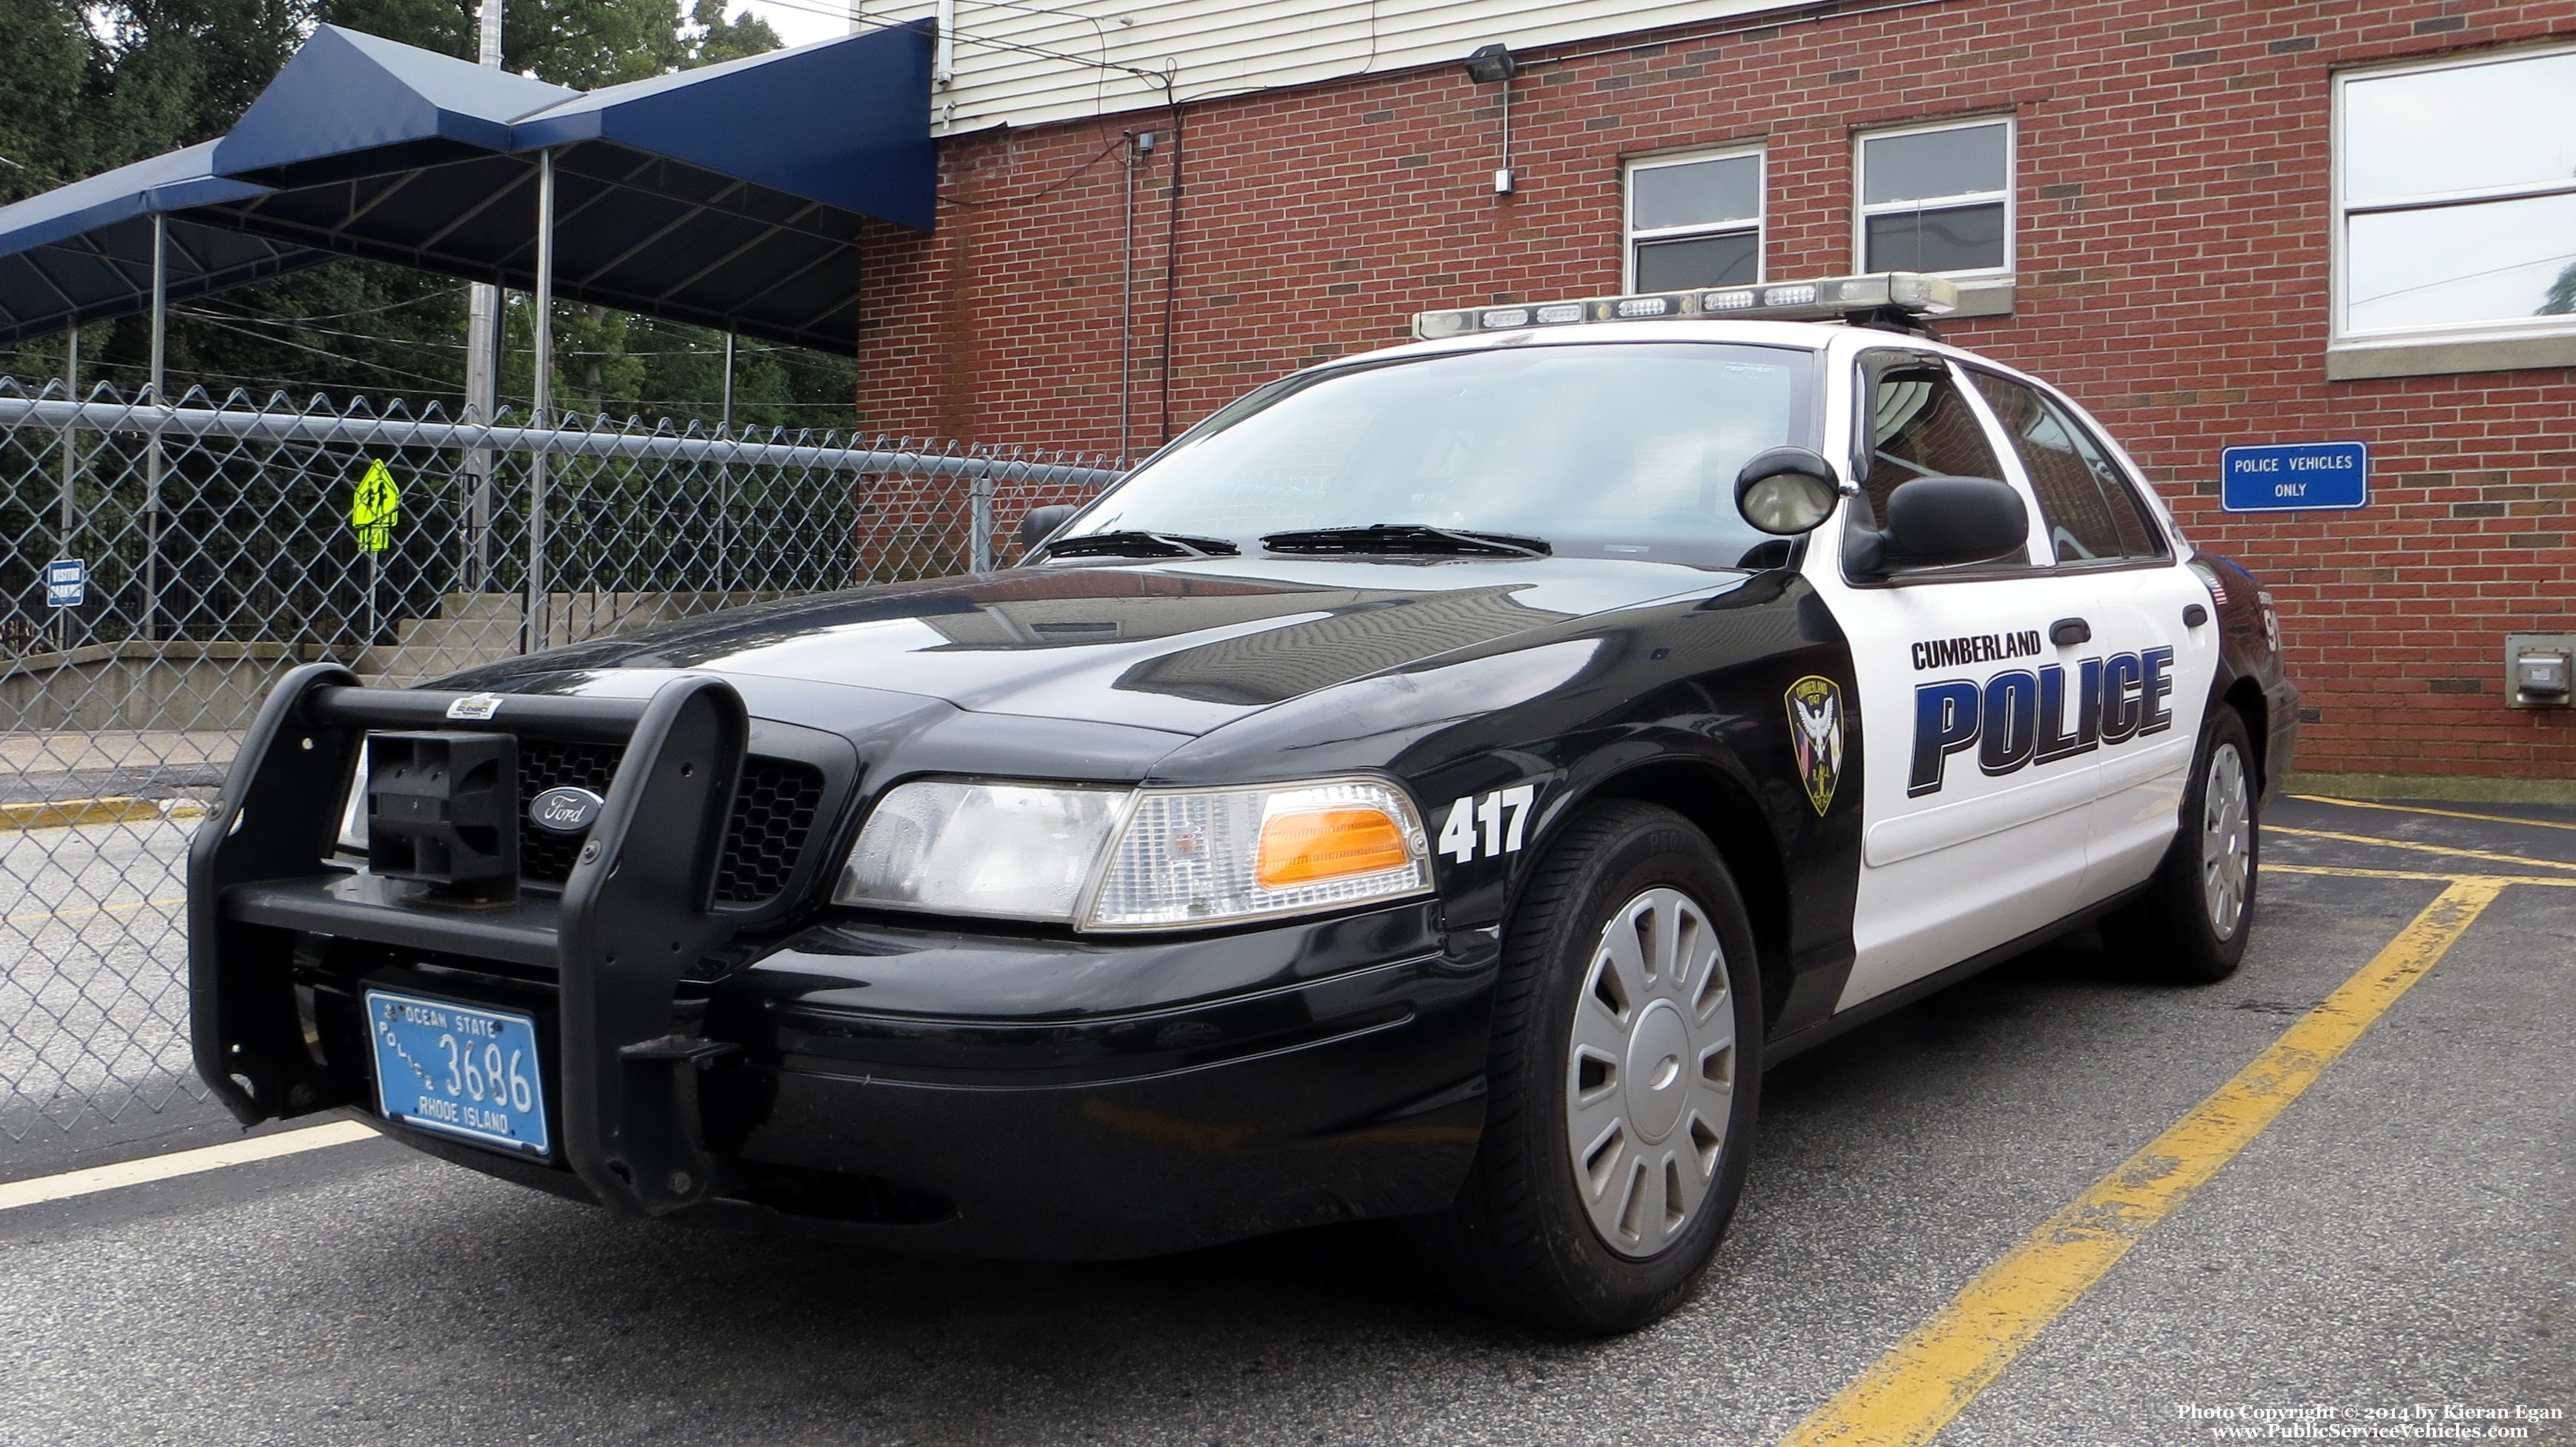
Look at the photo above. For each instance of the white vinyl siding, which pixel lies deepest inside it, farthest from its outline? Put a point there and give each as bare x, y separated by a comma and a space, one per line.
1019, 64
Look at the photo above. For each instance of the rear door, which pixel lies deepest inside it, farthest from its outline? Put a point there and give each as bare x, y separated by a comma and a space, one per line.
1977, 793
2146, 669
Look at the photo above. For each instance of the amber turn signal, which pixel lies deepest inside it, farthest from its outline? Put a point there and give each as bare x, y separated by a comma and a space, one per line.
1313, 844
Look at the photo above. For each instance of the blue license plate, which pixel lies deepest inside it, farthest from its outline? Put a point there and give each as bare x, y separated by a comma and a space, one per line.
460, 1070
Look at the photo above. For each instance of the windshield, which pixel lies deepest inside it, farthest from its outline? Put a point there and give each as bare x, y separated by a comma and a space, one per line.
1607, 450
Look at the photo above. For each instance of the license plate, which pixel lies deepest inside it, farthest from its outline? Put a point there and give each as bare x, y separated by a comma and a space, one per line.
460, 1070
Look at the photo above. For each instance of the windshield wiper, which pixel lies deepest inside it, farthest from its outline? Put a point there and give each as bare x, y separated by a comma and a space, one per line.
1134, 544
1407, 538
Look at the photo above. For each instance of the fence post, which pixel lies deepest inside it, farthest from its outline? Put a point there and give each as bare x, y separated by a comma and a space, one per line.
152, 455
541, 402
980, 535
71, 471
724, 483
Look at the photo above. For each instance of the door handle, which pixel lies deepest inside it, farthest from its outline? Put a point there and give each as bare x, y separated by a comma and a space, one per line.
2067, 632
2193, 615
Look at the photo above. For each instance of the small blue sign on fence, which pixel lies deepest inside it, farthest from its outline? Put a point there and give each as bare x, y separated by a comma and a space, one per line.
66, 583
2292, 476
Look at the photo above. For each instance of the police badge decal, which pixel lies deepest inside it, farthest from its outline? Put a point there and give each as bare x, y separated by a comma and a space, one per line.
1816, 734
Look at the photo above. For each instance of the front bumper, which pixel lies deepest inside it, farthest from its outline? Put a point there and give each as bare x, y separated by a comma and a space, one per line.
1048, 1098
982, 1093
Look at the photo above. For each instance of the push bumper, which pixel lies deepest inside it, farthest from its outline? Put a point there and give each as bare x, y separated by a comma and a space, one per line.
977, 1093
636, 912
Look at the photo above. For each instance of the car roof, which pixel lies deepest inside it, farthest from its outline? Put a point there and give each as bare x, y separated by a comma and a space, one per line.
1808, 336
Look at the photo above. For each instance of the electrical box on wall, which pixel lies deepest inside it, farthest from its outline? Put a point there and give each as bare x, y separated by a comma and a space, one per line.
2536, 669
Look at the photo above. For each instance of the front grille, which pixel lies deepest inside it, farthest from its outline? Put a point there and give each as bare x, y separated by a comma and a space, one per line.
772, 816
545, 856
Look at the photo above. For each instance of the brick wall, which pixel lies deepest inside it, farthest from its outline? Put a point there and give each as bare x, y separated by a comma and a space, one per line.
2172, 251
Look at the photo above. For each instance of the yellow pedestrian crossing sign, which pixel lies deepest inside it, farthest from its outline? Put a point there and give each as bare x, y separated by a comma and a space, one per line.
376, 508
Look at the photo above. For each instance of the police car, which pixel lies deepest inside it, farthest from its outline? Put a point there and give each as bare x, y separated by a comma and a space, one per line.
1432, 789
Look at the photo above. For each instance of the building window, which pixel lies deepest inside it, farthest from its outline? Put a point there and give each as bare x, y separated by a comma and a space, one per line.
1694, 221
2455, 199
1937, 198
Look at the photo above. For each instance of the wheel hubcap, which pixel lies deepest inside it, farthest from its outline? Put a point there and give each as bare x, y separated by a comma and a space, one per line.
1650, 1072
2226, 841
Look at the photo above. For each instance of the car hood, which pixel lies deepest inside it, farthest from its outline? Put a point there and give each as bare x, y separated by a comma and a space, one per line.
1182, 647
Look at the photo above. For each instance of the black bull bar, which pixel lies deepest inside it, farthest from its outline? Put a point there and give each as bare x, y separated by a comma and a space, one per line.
634, 914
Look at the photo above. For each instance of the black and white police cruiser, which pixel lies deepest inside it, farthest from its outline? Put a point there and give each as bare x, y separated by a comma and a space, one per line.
1432, 789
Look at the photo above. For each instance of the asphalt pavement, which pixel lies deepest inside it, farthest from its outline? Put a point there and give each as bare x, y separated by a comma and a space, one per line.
2400, 1239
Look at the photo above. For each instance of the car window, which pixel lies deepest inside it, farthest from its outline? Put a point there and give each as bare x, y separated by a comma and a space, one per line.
2091, 513
1921, 425
1613, 450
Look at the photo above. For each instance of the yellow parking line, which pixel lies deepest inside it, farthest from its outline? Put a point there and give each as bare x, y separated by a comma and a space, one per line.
52, 914
2414, 874
1911, 1393
113, 809
2445, 813
2486, 855
88, 1182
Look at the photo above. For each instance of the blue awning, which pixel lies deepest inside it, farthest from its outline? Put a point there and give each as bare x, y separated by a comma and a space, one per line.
83, 252
731, 196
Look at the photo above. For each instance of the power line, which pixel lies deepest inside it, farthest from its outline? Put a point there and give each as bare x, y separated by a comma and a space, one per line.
1067, 179
391, 371
713, 349
304, 326
442, 294
988, 42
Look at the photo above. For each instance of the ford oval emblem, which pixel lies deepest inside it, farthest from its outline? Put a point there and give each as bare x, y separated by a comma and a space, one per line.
565, 811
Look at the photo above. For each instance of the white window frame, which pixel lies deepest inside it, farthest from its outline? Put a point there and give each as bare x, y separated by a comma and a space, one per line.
1761, 218
2499, 329
2008, 195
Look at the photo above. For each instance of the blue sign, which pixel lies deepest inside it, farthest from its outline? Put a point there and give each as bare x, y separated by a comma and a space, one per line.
66, 583
2293, 476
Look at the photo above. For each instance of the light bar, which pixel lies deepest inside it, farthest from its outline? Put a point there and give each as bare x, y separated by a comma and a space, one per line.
1829, 299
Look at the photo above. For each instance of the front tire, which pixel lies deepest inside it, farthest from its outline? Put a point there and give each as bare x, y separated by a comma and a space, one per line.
2191, 924
1623, 1084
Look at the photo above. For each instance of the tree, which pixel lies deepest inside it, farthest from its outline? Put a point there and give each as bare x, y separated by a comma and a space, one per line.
720, 40
2561, 299
48, 70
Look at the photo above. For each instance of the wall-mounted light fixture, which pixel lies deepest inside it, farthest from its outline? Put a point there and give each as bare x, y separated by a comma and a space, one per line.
1489, 65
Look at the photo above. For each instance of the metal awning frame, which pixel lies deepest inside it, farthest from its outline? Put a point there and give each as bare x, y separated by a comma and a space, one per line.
515, 268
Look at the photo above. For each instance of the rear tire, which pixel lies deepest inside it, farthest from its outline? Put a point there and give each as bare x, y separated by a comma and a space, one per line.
1624, 1079
2190, 926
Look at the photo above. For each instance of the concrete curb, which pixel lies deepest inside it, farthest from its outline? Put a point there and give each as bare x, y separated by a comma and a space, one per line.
114, 809
2457, 788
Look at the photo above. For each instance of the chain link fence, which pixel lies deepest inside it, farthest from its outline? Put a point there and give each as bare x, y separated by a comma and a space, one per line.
160, 566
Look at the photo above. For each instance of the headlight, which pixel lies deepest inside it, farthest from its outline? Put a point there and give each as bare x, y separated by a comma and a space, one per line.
1014, 851
1207, 857
1146, 859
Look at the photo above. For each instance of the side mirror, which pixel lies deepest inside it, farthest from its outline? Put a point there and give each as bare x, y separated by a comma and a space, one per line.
1040, 523
1939, 522
1786, 491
